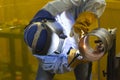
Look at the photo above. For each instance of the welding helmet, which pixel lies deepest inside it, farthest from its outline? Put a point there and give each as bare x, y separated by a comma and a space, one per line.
43, 38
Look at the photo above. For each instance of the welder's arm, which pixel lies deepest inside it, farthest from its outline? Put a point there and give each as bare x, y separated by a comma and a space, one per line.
60, 63
88, 19
54, 63
57, 6
95, 6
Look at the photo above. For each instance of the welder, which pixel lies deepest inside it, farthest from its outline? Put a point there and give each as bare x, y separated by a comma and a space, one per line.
53, 36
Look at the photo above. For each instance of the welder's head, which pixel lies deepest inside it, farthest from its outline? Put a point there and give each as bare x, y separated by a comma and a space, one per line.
35, 36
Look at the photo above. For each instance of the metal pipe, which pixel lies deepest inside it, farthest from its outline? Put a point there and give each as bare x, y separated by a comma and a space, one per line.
95, 54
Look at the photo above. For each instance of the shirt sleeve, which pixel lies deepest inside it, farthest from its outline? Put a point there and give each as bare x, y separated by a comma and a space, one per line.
54, 63
96, 6
57, 6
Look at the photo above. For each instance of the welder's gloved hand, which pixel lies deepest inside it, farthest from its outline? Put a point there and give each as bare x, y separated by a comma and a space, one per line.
75, 58
85, 22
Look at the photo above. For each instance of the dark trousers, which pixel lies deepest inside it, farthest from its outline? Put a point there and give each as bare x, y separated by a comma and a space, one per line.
83, 71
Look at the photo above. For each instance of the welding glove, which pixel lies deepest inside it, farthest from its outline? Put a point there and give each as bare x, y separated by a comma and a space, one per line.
85, 22
75, 58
